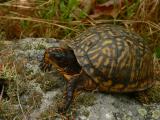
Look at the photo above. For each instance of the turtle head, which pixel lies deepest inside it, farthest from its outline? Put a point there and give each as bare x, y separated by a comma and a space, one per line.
56, 56
63, 58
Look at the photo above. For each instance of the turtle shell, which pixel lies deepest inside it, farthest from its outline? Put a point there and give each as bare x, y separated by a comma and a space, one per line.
116, 59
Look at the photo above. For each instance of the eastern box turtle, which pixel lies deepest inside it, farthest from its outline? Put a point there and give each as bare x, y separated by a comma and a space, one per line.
104, 57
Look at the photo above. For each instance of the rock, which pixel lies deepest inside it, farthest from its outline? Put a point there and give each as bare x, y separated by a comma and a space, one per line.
156, 114
21, 61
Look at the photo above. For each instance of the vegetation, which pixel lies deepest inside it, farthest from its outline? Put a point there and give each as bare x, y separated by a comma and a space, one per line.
63, 19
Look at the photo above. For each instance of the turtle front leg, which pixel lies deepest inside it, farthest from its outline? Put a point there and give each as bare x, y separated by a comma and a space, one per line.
72, 85
78, 81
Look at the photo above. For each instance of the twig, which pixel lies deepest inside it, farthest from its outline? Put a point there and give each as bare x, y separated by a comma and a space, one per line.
1, 93
19, 102
36, 20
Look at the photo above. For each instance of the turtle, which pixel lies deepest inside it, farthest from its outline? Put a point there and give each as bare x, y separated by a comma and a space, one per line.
106, 57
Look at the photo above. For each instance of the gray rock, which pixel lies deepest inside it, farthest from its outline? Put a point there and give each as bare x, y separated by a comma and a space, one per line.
106, 106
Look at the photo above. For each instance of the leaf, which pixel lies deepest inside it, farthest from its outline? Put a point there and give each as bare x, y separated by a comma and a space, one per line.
110, 8
87, 5
157, 51
1, 65
72, 4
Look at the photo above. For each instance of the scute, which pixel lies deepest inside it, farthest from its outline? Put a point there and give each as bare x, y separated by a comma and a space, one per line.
112, 54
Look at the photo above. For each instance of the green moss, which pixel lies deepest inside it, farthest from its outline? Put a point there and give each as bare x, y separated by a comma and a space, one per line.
1, 45
151, 95
51, 111
13, 81
156, 114
8, 111
85, 113
27, 47
48, 114
142, 112
34, 99
157, 51
50, 80
40, 47
86, 99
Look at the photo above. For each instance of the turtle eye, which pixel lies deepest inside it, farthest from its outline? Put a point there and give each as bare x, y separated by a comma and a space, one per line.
57, 55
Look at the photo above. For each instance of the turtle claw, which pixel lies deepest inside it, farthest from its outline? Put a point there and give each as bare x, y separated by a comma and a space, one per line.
45, 67
62, 108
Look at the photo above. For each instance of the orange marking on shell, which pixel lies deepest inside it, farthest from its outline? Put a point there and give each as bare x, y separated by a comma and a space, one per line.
117, 87
104, 86
97, 79
90, 85
108, 83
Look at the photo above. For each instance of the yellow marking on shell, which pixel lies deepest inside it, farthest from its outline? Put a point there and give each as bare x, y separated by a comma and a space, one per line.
117, 86
82, 46
128, 62
109, 52
97, 79
111, 33
85, 61
143, 83
119, 39
79, 52
114, 46
88, 37
141, 64
119, 47
129, 41
102, 34
99, 61
103, 70
106, 42
94, 50
141, 52
144, 68
112, 63
94, 57
119, 43
122, 55
91, 70
107, 83
141, 48
104, 86
106, 62
104, 51
132, 86
86, 48
132, 62
141, 44
90, 42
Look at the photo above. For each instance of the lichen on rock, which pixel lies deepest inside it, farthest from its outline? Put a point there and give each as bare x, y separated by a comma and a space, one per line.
33, 94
